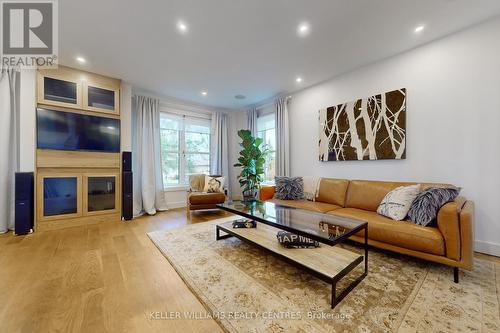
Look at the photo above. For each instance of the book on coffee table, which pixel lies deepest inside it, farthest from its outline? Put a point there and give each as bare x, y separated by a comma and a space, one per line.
244, 223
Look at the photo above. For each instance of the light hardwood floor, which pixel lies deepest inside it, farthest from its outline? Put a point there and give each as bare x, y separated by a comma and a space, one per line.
101, 278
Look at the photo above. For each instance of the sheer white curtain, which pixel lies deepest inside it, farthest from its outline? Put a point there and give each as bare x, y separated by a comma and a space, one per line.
9, 145
252, 121
149, 195
219, 164
282, 138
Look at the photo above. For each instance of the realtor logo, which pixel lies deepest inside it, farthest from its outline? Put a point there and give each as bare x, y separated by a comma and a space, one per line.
29, 33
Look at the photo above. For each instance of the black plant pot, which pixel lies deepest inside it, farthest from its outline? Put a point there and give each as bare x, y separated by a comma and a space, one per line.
250, 195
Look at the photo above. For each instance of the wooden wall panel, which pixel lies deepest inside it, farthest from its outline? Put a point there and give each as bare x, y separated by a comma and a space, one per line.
47, 158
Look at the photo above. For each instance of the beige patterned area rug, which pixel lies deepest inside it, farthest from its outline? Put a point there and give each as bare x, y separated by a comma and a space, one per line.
247, 289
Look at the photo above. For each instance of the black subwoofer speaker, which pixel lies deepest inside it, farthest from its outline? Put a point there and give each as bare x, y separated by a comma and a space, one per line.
24, 202
127, 197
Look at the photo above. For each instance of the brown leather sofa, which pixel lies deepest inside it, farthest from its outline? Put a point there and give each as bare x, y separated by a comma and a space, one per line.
449, 242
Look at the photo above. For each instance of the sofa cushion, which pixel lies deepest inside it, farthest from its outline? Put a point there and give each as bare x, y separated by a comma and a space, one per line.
403, 233
332, 191
203, 198
314, 206
368, 194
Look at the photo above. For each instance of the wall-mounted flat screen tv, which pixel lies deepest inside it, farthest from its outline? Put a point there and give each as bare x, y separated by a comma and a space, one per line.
73, 131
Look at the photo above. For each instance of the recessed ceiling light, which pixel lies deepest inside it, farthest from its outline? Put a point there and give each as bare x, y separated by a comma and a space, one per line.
298, 80
182, 26
240, 96
303, 29
81, 60
204, 93
418, 29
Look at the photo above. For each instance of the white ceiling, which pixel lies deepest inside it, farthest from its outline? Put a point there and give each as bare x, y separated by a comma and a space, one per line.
248, 47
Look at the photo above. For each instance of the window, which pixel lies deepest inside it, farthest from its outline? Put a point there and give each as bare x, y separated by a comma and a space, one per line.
266, 130
185, 147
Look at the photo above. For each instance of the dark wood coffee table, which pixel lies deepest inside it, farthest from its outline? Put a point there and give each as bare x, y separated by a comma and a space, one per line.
329, 263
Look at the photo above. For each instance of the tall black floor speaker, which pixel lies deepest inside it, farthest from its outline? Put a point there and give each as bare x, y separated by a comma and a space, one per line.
126, 161
24, 203
127, 195
127, 186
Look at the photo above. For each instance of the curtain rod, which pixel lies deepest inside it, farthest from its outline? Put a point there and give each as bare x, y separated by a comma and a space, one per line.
262, 106
189, 115
179, 109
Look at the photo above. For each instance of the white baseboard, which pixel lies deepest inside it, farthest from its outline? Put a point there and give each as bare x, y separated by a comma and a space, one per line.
487, 248
177, 204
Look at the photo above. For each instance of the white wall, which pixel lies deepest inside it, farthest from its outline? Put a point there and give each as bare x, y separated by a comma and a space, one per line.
453, 119
126, 117
27, 120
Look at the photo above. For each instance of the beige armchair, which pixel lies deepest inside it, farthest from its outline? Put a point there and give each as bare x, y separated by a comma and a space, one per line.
197, 199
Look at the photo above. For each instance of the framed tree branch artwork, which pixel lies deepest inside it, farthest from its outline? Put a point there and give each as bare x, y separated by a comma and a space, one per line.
372, 128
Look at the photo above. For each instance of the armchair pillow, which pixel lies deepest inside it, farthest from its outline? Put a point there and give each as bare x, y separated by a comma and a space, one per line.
289, 188
214, 184
397, 202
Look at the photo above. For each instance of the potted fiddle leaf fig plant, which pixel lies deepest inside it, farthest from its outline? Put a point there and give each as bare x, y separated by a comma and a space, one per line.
252, 162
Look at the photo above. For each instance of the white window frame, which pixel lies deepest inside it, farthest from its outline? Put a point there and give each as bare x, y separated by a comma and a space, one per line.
182, 151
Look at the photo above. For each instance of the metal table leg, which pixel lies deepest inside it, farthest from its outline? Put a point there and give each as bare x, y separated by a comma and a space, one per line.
218, 235
366, 249
336, 299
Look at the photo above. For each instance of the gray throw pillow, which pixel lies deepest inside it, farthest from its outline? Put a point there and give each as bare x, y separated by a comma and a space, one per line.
289, 188
425, 207
289, 240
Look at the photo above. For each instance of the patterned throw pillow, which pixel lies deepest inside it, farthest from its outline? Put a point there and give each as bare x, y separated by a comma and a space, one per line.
289, 240
289, 188
214, 184
426, 206
397, 202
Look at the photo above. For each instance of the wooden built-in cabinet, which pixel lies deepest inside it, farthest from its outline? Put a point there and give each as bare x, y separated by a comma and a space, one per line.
77, 187
71, 197
71, 88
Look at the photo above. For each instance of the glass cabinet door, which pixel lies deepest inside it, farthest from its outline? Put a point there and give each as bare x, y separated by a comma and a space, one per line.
101, 193
59, 90
100, 98
59, 196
